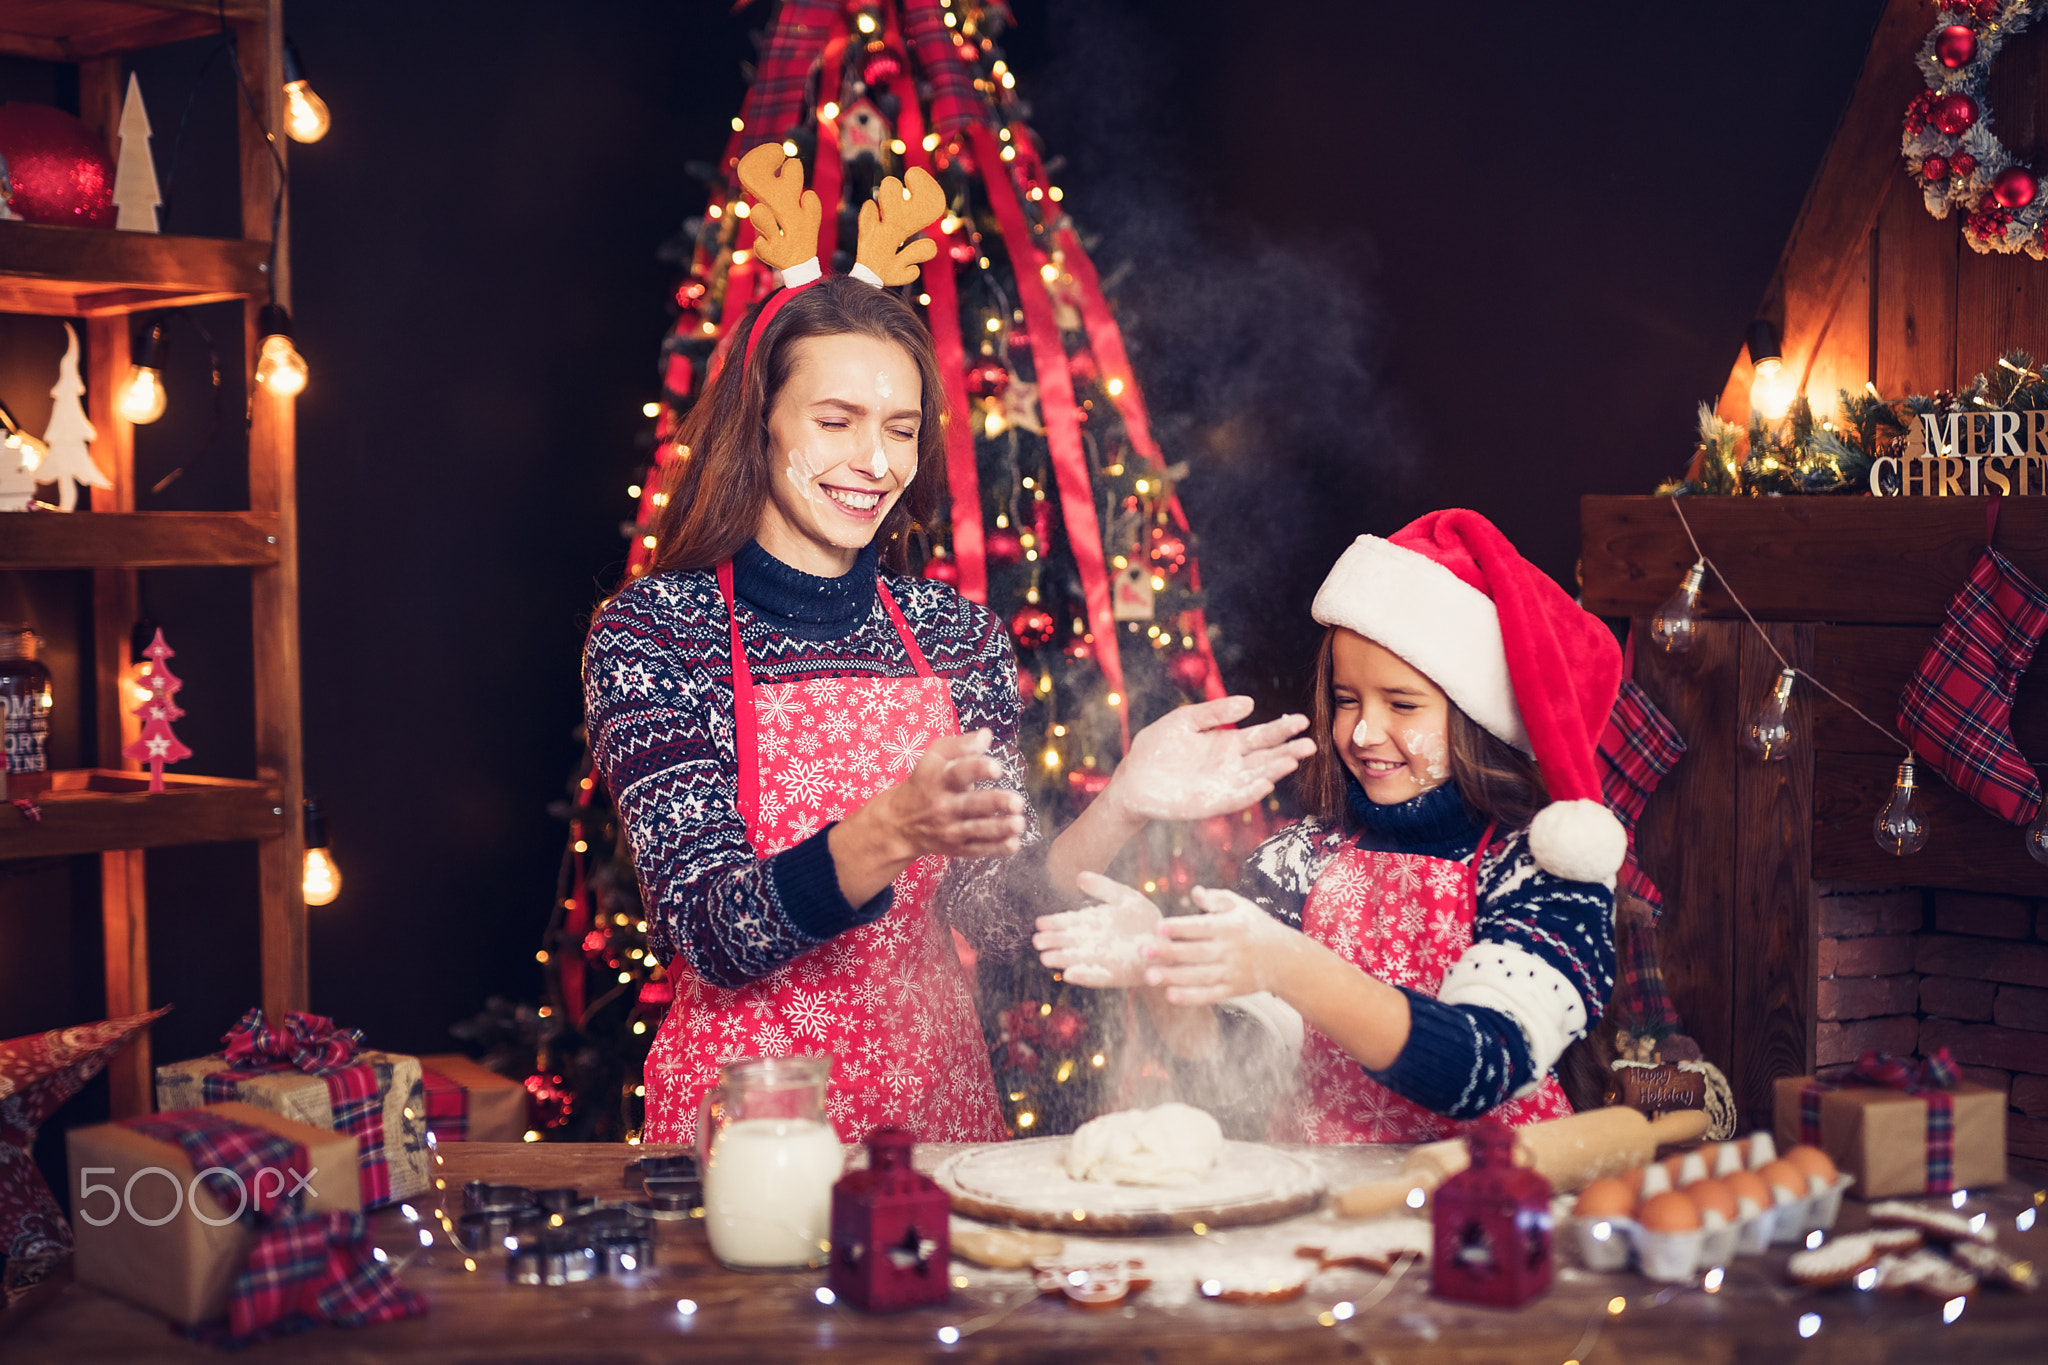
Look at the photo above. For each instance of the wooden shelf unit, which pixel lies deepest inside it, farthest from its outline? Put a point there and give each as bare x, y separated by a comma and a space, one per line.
105, 277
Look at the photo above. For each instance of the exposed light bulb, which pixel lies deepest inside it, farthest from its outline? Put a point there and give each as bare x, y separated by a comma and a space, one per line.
305, 114
322, 881
1769, 735
1901, 826
2037, 835
279, 366
1771, 392
1674, 628
142, 395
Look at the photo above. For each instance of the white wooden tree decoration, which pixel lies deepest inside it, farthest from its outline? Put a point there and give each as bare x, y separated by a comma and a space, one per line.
135, 191
68, 462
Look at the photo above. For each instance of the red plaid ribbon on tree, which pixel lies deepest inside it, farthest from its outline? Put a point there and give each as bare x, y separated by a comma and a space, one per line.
311, 1044
1957, 709
1932, 1079
306, 1268
782, 78
954, 102
1636, 749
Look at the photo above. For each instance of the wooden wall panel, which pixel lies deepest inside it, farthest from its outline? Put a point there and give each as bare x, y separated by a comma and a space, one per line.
1968, 849
1869, 666
1916, 295
1842, 356
1692, 860
1775, 916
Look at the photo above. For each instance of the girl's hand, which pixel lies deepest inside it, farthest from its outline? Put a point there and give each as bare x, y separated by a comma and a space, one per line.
1186, 766
1099, 945
940, 808
1232, 949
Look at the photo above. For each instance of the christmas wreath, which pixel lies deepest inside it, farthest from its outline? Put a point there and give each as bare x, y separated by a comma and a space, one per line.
1950, 150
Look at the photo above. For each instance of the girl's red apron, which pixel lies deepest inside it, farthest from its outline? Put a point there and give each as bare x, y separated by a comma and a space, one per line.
889, 1001
1404, 919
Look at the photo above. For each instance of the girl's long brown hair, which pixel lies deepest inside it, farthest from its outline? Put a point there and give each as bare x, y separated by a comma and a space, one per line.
1497, 780
717, 494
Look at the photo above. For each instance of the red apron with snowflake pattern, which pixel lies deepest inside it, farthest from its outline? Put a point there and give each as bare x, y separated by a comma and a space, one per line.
888, 1001
1404, 919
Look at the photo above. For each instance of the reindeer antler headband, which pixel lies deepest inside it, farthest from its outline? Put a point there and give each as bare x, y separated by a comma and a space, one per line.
786, 228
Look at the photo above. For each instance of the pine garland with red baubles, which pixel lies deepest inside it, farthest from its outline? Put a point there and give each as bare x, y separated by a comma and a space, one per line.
1950, 150
1064, 519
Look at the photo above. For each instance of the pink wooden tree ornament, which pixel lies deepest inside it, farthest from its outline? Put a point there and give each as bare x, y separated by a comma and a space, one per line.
156, 745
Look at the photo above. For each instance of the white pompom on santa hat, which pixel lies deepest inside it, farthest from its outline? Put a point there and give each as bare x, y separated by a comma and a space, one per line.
1453, 598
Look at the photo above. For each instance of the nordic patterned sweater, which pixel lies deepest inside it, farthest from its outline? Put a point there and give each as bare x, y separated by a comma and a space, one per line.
658, 705
1538, 973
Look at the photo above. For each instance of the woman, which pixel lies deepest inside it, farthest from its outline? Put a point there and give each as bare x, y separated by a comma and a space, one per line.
816, 761
1442, 920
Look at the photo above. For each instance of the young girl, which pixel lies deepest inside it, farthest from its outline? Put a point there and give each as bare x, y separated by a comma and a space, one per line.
816, 761
1442, 920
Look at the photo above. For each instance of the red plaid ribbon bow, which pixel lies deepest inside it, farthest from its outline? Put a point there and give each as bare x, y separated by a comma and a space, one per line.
307, 1042
306, 1268
1932, 1078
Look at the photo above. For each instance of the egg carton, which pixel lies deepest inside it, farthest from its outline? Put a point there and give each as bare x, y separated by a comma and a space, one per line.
1675, 1256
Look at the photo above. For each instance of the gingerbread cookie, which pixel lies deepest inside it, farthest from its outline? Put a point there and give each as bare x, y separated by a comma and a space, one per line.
1261, 1281
1993, 1266
1924, 1272
1938, 1225
1374, 1246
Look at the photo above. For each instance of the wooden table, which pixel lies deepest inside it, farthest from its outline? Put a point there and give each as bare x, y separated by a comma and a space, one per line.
479, 1317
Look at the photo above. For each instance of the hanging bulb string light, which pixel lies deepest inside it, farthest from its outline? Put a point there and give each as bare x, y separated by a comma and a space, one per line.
1785, 664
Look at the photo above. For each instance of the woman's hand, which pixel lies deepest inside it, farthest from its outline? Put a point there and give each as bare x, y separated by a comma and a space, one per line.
1099, 945
939, 809
1187, 766
1233, 948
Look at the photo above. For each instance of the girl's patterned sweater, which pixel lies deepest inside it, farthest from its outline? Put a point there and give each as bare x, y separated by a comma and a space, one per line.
1538, 972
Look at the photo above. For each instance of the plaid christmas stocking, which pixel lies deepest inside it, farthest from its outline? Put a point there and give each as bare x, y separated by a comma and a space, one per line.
1638, 747
1957, 710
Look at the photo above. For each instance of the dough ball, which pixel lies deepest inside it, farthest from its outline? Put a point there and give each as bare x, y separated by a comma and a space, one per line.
1174, 1144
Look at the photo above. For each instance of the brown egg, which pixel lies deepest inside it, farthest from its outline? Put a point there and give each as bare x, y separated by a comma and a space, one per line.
1784, 1175
1713, 1196
1673, 1166
1814, 1162
1605, 1199
1669, 1212
1632, 1181
1750, 1186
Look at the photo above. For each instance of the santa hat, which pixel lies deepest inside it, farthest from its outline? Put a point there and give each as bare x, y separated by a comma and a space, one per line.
1453, 598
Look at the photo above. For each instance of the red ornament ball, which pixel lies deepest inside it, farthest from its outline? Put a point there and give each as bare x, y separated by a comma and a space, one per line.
61, 172
1935, 168
1189, 669
881, 68
2015, 187
945, 571
1956, 45
1003, 548
1169, 551
1033, 627
988, 379
1962, 165
962, 250
1954, 114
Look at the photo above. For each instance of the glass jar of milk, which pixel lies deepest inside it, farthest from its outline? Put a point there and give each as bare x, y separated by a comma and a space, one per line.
769, 1158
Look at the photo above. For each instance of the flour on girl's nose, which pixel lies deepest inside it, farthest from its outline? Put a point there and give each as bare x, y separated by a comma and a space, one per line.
801, 472
1363, 736
878, 464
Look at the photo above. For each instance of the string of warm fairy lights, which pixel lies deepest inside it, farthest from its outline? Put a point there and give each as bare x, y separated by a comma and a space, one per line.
1900, 828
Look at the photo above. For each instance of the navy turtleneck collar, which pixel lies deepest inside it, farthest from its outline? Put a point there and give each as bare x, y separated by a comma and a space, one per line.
1435, 824
801, 604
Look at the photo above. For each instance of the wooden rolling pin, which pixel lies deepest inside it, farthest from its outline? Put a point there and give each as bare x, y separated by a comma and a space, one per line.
1571, 1153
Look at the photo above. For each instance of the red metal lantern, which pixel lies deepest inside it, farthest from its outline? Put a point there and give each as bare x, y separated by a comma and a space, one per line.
891, 1231
1492, 1225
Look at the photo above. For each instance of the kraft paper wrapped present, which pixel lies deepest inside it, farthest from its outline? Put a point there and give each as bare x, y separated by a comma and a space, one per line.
315, 1073
469, 1102
147, 1229
1900, 1129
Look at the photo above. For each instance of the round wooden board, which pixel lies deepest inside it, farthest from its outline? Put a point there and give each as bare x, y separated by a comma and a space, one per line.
1025, 1184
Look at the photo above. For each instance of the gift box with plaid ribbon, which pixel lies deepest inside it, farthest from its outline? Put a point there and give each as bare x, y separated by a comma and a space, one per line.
1899, 1127
148, 1229
467, 1102
309, 1070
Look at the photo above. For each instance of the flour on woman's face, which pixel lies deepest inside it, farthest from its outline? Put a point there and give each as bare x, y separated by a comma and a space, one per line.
802, 473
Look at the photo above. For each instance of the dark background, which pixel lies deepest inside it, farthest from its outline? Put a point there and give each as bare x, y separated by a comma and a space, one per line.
1380, 259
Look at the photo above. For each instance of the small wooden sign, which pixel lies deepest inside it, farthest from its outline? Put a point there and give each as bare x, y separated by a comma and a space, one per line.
1968, 454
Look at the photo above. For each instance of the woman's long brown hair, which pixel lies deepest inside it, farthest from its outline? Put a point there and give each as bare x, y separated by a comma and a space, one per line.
1497, 780
718, 493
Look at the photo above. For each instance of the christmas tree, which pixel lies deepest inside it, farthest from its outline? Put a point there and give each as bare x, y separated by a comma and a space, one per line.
68, 460
135, 188
1063, 519
156, 745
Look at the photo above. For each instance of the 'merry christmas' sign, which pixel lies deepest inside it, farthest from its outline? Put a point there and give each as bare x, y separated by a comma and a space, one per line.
1968, 454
